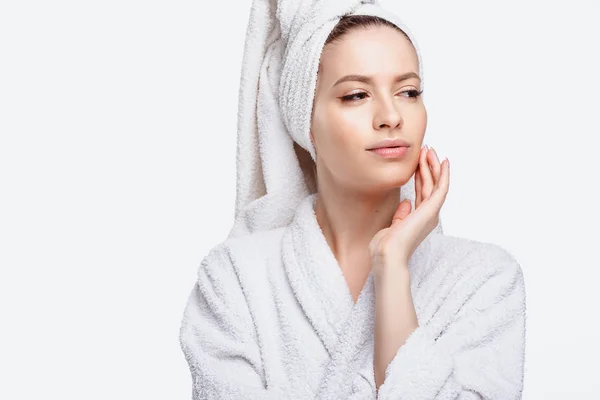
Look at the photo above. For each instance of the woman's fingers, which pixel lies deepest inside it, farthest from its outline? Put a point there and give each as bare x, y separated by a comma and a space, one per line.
419, 180
435, 165
418, 197
426, 178
431, 208
441, 189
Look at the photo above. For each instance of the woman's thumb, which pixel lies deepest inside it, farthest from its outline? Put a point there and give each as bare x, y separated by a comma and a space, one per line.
402, 211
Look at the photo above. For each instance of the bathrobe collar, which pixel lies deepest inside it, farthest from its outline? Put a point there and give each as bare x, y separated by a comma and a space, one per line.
319, 284
321, 289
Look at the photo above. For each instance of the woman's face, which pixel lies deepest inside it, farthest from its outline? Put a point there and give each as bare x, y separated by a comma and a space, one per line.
351, 116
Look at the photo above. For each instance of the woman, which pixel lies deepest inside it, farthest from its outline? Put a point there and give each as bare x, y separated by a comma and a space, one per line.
357, 295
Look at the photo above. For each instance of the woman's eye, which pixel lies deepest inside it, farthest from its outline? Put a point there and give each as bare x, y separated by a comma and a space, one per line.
413, 93
352, 97
360, 95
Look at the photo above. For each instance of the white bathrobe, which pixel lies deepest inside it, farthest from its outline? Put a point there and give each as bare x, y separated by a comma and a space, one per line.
271, 317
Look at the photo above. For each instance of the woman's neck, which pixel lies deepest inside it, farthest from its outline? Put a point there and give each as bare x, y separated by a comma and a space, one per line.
350, 220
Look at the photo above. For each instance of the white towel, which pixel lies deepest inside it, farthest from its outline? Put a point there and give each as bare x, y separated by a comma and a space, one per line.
284, 40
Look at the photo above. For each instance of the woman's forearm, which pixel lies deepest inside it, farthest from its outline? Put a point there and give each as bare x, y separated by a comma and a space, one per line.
395, 317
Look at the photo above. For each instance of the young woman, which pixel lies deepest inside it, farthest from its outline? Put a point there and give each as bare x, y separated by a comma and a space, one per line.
360, 295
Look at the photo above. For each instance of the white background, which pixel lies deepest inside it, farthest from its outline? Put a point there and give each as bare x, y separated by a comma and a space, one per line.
117, 175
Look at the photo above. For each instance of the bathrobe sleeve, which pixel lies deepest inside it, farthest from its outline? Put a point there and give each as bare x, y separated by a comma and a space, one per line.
479, 355
217, 337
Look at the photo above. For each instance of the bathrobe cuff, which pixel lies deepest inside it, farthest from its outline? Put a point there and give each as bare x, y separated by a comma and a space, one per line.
419, 370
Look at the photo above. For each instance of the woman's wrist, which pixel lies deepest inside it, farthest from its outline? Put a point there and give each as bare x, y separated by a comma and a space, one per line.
395, 317
391, 273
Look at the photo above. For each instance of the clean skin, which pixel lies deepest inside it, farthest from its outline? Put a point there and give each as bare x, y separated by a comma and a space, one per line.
368, 89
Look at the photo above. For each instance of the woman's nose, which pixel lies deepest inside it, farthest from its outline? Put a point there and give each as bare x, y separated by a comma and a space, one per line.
387, 115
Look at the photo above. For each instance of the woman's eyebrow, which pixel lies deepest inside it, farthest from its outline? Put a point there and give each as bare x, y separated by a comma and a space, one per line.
368, 79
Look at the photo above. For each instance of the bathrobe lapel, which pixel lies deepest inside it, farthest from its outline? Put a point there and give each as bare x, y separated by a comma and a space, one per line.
345, 328
320, 287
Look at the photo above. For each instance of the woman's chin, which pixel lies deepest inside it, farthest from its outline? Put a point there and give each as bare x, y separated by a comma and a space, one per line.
390, 179
396, 171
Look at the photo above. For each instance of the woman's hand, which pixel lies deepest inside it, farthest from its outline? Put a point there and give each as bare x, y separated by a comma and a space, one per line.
395, 244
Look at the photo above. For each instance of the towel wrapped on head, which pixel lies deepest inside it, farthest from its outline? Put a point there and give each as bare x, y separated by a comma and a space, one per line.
284, 41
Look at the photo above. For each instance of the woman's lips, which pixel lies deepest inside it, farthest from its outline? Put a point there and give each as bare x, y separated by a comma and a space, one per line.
390, 152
